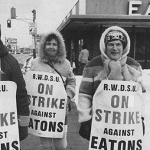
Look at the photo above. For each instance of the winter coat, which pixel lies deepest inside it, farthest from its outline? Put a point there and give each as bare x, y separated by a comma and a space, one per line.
11, 72
94, 73
61, 64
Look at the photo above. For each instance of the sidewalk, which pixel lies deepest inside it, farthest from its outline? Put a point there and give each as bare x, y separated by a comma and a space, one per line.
75, 142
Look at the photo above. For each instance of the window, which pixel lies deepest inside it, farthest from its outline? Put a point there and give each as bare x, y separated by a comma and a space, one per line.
140, 48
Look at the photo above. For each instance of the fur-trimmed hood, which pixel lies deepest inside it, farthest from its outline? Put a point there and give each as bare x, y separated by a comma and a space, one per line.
61, 46
102, 43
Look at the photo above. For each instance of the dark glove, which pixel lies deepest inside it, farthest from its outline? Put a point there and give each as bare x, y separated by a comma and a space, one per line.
85, 129
23, 132
68, 106
143, 125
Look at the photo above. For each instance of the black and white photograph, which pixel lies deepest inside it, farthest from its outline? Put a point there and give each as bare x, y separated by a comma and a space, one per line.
74, 74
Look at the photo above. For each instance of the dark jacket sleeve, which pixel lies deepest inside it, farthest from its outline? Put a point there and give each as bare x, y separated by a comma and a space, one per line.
13, 73
22, 100
21, 95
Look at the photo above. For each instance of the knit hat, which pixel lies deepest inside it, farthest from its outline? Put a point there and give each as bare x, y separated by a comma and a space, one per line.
115, 35
118, 31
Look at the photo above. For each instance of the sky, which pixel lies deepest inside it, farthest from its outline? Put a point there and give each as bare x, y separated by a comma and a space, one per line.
49, 15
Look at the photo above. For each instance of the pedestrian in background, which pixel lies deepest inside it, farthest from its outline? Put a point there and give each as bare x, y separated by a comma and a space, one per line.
27, 65
83, 58
10, 71
72, 60
52, 58
112, 64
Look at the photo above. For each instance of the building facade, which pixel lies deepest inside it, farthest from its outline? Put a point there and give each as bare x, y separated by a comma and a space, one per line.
87, 20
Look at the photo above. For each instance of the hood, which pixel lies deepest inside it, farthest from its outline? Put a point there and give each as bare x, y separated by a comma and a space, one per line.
3, 49
102, 44
61, 46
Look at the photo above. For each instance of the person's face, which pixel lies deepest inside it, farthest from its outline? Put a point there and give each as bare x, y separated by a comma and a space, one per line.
114, 49
51, 47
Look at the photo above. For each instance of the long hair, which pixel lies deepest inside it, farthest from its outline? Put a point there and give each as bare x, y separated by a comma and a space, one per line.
61, 45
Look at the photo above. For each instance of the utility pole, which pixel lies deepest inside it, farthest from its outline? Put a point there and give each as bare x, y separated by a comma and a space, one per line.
13, 13
33, 25
0, 31
34, 17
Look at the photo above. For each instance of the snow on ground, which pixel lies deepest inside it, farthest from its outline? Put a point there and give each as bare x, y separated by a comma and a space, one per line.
78, 81
146, 76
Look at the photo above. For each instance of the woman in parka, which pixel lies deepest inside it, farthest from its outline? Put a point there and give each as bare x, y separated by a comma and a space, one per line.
52, 57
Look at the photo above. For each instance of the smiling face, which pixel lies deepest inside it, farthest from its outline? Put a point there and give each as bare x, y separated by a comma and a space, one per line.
114, 49
51, 48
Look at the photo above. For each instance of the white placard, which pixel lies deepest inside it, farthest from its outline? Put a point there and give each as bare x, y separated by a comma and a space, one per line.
9, 135
48, 104
116, 123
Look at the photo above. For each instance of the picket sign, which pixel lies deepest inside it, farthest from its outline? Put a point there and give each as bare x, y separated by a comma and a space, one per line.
116, 123
48, 104
9, 135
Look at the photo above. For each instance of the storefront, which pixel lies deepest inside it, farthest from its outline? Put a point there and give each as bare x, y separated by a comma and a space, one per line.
87, 20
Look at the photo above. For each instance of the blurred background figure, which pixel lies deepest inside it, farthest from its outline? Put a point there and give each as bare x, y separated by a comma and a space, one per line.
83, 58
72, 60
